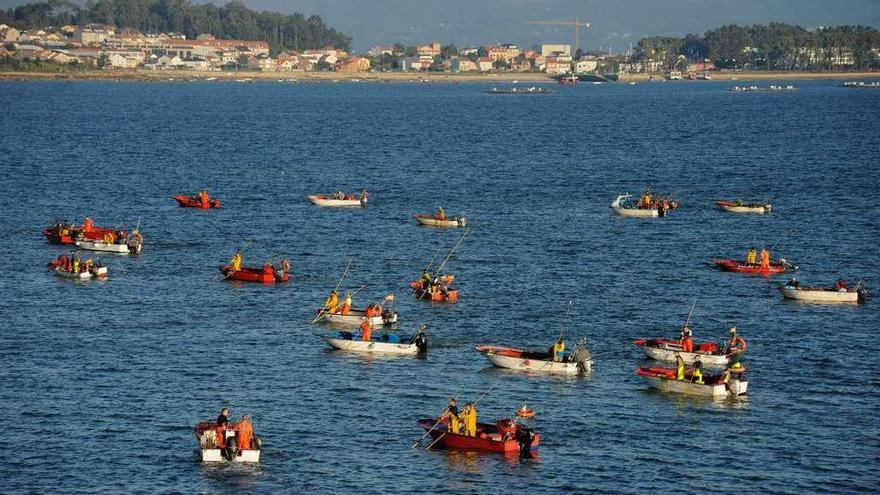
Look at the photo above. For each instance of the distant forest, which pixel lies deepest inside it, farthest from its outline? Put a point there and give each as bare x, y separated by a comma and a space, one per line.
775, 46
231, 21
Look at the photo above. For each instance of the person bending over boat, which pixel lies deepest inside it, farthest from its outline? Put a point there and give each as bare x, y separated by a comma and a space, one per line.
441, 214
346, 304
451, 416
366, 330
332, 302
558, 350
687, 342
469, 418
751, 257
697, 376
236, 261
679, 367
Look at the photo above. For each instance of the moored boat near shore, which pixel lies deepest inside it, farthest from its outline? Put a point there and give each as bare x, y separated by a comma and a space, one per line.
729, 383
841, 292
577, 361
738, 206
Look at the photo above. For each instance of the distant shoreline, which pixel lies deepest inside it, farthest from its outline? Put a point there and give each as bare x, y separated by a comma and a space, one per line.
398, 77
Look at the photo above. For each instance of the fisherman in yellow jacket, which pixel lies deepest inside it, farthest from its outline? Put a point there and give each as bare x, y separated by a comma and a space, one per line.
236, 261
469, 418
332, 302
558, 350
451, 415
751, 257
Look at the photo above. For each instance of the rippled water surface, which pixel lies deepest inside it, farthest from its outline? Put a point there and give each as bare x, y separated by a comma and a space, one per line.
102, 382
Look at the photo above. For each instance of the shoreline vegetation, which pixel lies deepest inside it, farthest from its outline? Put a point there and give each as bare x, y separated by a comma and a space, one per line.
139, 75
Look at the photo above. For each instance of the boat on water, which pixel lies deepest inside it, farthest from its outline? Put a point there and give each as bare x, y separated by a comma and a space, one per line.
266, 275
76, 268
339, 200
840, 292
439, 290
709, 353
569, 80
222, 443
531, 90
756, 89
376, 315
383, 343
197, 202
860, 84
738, 266
505, 436
64, 232
731, 382
577, 361
429, 220
132, 244
589, 77
624, 206
738, 206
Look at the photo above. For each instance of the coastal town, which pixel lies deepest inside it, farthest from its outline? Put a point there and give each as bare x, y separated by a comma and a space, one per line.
103, 47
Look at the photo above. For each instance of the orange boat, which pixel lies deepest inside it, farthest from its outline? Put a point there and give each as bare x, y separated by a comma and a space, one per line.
505, 436
63, 232
196, 202
267, 274
442, 292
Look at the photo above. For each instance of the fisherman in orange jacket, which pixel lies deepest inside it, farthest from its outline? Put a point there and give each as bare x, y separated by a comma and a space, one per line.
204, 199
765, 259
346, 304
366, 330
245, 432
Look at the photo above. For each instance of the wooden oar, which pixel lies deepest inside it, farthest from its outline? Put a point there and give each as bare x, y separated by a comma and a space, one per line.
435, 441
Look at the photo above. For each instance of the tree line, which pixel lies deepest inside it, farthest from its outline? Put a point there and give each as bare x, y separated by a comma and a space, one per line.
776, 46
231, 21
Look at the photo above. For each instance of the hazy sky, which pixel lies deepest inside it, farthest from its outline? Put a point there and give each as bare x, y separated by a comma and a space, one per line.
614, 22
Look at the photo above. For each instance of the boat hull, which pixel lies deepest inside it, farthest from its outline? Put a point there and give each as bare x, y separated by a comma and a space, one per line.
741, 267
100, 272
619, 210
821, 295
512, 358
374, 346
450, 296
488, 438
356, 316
195, 202
734, 207
103, 247
216, 455
330, 202
663, 379
246, 274
429, 221
665, 350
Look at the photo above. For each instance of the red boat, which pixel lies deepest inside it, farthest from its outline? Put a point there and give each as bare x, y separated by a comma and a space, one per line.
62, 232
266, 275
775, 267
449, 295
195, 202
506, 436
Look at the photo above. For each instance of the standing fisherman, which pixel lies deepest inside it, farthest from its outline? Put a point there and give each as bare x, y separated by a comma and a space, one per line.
332, 302
236, 261
469, 417
559, 350
346, 304
451, 415
765, 259
679, 367
366, 330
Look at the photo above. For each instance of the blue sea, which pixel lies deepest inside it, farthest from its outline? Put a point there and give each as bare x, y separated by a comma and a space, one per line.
102, 382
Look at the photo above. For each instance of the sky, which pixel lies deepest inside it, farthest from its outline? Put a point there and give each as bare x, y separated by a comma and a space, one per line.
614, 23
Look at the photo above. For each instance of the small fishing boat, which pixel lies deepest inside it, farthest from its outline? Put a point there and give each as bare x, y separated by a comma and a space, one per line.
738, 206
220, 444
333, 201
839, 293
738, 266
196, 202
624, 207
532, 90
665, 350
63, 232
354, 317
67, 267
506, 436
132, 244
578, 360
432, 221
384, 343
442, 292
730, 382
267, 274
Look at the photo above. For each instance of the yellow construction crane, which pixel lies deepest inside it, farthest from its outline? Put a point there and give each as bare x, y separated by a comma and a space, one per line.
577, 29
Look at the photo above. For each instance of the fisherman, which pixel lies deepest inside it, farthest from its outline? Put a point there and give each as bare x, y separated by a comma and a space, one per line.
697, 376
284, 265
338, 194
204, 199
222, 423
687, 343
120, 236
426, 279
332, 302
346, 304
751, 256
236, 261
441, 214
793, 282
363, 195
840, 285
469, 418
76, 265
559, 350
108, 238
268, 269
87, 225
765, 259
366, 330
679, 367
245, 432
451, 415
736, 343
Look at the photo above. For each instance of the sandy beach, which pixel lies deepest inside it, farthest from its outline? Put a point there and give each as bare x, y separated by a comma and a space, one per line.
397, 77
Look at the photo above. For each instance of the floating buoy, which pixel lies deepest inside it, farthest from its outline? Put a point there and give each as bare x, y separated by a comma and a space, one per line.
525, 412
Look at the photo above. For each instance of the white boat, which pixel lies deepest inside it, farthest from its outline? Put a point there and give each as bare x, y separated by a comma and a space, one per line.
665, 350
729, 383
132, 244
578, 361
740, 207
211, 451
356, 316
383, 343
836, 294
622, 207
95, 272
431, 221
329, 201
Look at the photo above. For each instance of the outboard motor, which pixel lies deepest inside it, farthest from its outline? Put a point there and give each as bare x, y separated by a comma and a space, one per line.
421, 342
525, 437
258, 443
231, 449
863, 294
